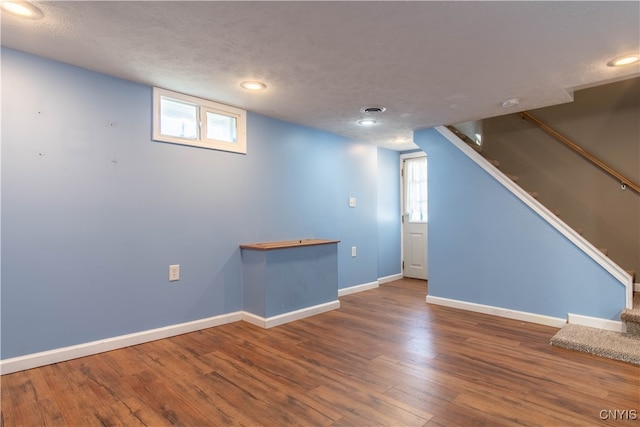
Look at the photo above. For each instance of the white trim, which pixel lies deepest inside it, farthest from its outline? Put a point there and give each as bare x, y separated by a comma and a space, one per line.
391, 278
281, 319
254, 319
595, 322
498, 311
413, 155
359, 288
35, 360
594, 253
202, 106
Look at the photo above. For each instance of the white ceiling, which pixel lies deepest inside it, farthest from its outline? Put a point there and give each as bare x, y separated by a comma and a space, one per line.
429, 63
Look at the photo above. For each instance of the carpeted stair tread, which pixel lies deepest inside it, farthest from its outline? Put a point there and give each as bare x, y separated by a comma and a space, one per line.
612, 345
631, 315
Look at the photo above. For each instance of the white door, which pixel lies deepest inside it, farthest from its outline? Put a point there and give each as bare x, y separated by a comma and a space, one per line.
414, 218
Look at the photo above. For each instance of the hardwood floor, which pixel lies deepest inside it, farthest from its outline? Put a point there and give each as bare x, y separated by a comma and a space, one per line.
384, 358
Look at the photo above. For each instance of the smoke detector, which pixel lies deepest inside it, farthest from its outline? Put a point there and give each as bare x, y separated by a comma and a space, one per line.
510, 102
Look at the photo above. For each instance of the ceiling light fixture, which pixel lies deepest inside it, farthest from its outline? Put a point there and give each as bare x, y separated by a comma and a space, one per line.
370, 112
510, 102
253, 85
23, 9
367, 122
632, 58
400, 140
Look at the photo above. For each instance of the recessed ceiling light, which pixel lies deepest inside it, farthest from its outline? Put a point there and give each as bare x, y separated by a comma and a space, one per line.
253, 85
367, 122
510, 102
632, 58
400, 140
23, 9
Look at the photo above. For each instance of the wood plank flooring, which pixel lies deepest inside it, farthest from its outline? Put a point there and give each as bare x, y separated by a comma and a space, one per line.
384, 358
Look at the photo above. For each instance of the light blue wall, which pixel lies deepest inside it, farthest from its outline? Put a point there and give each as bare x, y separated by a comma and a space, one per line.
487, 247
388, 213
301, 182
284, 280
94, 212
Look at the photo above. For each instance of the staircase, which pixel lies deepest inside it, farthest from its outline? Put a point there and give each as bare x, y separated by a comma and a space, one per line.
624, 345
631, 317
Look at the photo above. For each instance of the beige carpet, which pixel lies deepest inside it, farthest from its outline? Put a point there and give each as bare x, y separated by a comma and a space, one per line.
613, 345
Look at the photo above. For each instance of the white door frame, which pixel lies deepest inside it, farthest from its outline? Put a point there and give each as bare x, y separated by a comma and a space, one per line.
403, 157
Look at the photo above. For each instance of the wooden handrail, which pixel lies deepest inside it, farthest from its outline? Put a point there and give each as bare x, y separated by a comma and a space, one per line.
624, 181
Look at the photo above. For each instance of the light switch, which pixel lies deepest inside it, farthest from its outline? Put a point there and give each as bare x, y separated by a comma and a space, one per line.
352, 202
174, 272
353, 251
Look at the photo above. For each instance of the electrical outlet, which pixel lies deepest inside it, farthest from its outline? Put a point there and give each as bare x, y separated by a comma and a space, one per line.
174, 273
353, 251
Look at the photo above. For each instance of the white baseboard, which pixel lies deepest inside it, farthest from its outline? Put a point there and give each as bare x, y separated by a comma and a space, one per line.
281, 319
595, 322
357, 288
498, 311
391, 278
35, 360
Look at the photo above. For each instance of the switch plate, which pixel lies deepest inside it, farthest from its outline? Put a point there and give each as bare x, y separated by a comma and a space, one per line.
174, 273
352, 202
353, 251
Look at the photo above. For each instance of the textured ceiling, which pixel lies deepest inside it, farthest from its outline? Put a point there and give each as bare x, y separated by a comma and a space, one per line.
428, 63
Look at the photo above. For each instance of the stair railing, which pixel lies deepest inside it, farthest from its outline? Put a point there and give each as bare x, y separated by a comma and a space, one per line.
624, 181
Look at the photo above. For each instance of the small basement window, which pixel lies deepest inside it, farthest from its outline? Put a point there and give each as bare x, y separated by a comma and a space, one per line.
187, 120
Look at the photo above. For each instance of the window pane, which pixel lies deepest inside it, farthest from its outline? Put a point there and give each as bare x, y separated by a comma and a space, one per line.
187, 120
221, 127
179, 119
416, 189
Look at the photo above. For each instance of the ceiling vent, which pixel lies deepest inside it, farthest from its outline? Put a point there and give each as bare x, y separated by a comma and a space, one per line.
372, 111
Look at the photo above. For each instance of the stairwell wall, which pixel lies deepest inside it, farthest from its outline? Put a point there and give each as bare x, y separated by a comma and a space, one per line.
488, 247
603, 120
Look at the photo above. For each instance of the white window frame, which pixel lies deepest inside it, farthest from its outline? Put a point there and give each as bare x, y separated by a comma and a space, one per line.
203, 106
